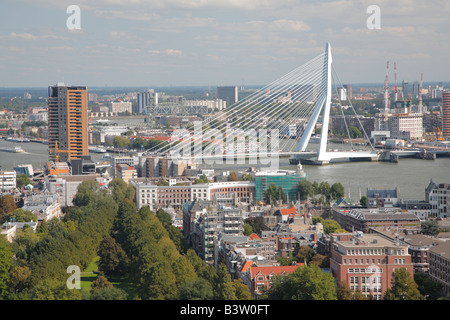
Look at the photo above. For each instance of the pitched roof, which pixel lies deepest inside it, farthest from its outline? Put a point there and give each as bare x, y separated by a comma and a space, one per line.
254, 236
289, 211
277, 270
247, 265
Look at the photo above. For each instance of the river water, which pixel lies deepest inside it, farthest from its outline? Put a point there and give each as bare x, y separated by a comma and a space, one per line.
410, 176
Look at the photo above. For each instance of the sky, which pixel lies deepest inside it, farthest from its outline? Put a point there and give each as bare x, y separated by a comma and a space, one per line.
157, 43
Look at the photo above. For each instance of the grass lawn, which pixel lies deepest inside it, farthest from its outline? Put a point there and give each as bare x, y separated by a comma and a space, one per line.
89, 275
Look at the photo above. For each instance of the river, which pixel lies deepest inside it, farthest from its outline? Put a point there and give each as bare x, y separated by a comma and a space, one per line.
410, 176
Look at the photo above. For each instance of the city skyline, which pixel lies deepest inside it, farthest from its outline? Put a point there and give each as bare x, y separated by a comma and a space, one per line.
184, 43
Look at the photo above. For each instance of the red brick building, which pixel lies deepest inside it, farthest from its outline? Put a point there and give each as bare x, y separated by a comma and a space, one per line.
260, 278
366, 261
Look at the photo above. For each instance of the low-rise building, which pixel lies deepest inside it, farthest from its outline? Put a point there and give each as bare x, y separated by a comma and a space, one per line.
9, 229
440, 265
421, 209
359, 219
260, 278
7, 181
366, 261
438, 195
44, 206
419, 246
385, 198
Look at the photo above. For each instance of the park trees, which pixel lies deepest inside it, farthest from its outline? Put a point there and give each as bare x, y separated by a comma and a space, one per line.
274, 194
305, 283
403, 287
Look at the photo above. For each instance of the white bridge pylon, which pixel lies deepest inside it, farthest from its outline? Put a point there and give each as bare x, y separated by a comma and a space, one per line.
288, 108
324, 104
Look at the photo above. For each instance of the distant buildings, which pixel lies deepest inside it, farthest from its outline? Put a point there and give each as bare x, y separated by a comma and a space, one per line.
438, 195
117, 107
349, 91
340, 124
228, 94
68, 122
7, 181
144, 100
406, 126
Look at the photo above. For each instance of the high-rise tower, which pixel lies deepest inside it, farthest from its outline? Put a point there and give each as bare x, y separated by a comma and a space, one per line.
67, 122
446, 114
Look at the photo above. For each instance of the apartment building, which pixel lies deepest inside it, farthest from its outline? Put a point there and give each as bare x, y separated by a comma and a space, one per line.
440, 265
419, 247
438, 195
218, 220
67, 122
366, 261
7, 181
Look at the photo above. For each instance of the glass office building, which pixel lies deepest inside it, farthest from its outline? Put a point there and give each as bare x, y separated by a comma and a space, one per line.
288, 180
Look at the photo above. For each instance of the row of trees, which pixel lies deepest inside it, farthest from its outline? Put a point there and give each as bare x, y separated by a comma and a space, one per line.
323, 191
136, 143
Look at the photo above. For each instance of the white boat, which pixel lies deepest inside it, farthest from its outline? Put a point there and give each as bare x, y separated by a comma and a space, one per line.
18, 139
97, 149
12, 149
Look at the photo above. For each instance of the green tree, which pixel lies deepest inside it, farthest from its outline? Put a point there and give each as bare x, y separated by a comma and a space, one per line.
202, 179
273, 194
430, 227
354, 132
325, 190
232, 176
306, 189
7, 204
198, 289
22, 180
403, 287
18, 215
427, 287
343, 291
363, 201
100, 283
257, 225
6, 259
139, 143
337, 191
305, 254
305, 283
121, 142
247, 229
247, 177
87, 193
109, 293
121, 191
18, 279
241, 290
113, 259
223, 288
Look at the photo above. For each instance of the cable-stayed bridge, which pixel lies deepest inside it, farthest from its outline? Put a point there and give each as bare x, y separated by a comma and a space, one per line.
277, 120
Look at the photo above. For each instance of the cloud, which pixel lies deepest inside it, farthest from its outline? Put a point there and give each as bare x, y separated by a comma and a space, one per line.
25, 36
288, 25
173, 52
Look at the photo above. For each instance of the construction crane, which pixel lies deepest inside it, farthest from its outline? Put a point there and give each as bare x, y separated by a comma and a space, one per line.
420, 94
439, 136
386, 92
57, 152
395, 78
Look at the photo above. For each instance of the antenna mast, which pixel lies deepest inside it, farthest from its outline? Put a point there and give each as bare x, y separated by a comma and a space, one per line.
386, 92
